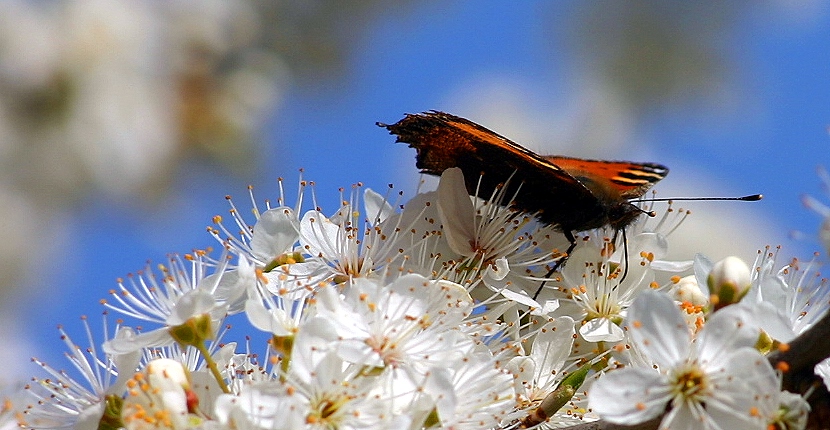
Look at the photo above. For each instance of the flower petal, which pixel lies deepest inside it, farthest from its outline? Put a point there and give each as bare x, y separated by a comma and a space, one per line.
521, 297
745, 390
657, 327
127, 345
629, 396
601, 330
377, 207
125, 363
654, 243
550, 349
192, 303
703, 266
499, 270
275, 233
320, 235
672, 266
726, 330
456, 211
574, 273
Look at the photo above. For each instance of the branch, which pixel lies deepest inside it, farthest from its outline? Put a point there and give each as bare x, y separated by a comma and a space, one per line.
798, 364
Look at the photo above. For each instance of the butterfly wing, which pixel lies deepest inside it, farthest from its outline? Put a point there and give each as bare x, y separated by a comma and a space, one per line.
612, 180
488, 160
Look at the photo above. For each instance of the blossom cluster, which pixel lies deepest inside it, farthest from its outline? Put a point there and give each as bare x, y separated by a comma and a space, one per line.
446, 311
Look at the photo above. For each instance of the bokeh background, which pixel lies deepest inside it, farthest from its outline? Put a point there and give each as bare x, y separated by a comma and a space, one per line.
124, 123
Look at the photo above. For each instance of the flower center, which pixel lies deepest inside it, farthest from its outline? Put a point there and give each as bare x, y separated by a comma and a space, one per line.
604, 306
690, 383
326, 410
386, 348
347, 270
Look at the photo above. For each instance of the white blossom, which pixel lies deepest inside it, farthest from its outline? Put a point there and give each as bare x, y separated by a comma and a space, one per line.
717, 381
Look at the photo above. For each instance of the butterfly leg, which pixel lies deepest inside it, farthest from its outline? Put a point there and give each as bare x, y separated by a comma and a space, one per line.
625, 253
559, 263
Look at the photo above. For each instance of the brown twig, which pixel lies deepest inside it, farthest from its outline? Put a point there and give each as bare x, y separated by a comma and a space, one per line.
797, 363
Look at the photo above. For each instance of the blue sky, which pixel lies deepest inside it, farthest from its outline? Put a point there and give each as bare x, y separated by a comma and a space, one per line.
766, 135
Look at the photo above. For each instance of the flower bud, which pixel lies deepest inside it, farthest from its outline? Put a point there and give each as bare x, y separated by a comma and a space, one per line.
693, 301
686, 290
159, 397
728, 282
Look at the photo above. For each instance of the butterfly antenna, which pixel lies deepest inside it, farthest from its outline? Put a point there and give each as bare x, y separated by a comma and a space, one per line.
749, 198
625, 253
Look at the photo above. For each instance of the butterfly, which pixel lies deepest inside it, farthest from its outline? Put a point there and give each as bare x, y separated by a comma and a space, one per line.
570, 194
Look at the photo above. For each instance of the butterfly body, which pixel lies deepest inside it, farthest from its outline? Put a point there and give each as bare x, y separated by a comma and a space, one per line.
570, 194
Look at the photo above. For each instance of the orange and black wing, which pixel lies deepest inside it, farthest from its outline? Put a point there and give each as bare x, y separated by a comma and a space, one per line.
612, 179
488, 160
